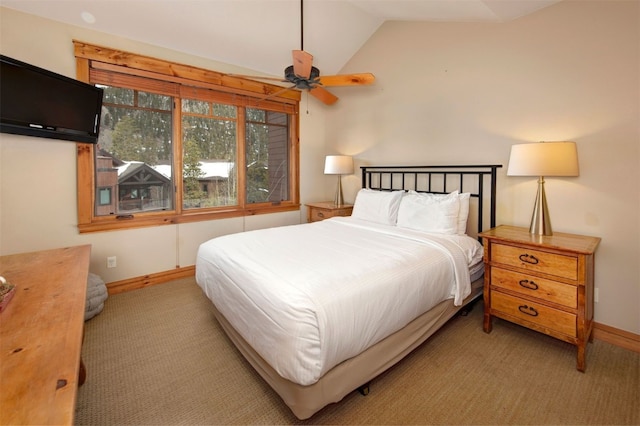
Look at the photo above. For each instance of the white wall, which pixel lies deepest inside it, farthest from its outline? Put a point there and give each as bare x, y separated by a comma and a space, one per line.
38, 207
452, 93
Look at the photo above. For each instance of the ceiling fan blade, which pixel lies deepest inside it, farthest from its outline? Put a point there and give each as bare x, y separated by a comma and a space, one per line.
347, 79
323, 95
302, 62
277, 93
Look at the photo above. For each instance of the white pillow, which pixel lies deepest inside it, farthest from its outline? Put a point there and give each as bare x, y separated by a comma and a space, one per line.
429, 214
463, 214
377, 206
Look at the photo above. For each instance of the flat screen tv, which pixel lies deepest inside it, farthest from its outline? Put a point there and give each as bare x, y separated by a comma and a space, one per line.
37, 102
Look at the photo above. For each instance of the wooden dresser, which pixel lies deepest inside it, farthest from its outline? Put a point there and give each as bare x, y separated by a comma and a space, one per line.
325, 210
41, 335
544, 283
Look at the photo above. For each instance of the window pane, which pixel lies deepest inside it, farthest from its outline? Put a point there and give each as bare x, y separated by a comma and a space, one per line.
196, 107
134, 154
117, 95
267, 142
104, 196
155, 101
209, 159
221, 110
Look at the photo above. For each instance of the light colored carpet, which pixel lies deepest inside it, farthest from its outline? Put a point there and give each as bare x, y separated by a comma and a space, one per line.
158, 356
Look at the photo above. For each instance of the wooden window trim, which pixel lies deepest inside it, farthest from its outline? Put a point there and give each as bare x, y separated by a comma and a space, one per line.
99, 64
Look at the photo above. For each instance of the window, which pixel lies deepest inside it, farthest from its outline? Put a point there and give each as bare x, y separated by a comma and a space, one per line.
209, 154
180, 144
267, 156
134, 151
104, 196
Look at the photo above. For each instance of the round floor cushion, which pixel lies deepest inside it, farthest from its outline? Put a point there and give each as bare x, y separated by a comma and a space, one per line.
96, 295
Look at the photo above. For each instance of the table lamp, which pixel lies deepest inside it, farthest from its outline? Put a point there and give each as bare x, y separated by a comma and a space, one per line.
543, 159
338, 165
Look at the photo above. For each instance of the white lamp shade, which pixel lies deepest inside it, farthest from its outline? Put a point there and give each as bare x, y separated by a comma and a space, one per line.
338, 165
544, 159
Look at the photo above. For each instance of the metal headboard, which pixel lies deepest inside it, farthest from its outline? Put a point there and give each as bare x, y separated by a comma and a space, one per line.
474, 179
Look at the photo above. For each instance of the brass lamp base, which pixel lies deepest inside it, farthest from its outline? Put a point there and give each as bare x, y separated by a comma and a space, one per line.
540, 220
339, 200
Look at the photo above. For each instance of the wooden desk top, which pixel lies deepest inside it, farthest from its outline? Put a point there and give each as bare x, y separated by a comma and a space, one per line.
41, 335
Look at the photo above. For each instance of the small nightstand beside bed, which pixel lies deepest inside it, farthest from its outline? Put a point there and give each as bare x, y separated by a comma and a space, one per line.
320, 309
326, 210
545, 283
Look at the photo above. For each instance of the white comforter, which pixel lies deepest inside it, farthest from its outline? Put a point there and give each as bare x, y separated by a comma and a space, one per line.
307, 297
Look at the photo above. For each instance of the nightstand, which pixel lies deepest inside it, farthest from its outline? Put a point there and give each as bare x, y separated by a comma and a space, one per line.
544, 283
325, 210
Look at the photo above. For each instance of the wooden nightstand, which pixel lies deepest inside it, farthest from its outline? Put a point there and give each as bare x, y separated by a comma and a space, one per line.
544, 283
325, 210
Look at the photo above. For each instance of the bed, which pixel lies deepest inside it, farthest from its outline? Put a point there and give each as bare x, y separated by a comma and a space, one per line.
320, 309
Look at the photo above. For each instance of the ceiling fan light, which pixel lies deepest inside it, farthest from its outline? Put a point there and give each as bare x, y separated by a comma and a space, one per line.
301, 82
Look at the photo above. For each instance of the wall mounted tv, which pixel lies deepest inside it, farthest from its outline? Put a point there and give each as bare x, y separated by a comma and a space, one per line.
37, 102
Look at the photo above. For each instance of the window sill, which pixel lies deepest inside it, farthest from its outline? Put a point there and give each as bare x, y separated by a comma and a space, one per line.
113, 224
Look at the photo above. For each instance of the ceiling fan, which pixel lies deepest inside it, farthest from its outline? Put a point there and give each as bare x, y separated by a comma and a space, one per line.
304, 76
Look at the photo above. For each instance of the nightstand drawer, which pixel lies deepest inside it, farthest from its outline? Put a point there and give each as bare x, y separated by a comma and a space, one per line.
321, 211
318, 214
543, 316
535, 260
552, 291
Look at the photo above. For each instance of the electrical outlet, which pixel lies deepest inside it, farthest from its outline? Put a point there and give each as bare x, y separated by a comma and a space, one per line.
111, 262
596, 294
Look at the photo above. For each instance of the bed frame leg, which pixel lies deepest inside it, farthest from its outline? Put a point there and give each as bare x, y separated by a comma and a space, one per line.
468, 307
364, 389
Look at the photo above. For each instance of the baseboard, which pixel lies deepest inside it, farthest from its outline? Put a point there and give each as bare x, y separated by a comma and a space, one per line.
149, 280
605, 333
617, 337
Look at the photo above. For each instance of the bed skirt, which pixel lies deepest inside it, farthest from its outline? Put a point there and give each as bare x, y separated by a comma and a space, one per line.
344, 378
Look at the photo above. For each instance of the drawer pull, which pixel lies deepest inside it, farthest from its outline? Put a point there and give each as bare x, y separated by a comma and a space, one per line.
528, 258
528, 310
528, 284
320, 214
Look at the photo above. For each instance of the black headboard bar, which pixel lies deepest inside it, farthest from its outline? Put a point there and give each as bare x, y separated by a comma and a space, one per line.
384, 178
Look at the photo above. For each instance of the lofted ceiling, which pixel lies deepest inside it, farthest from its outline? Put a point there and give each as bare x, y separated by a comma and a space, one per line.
260, 34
